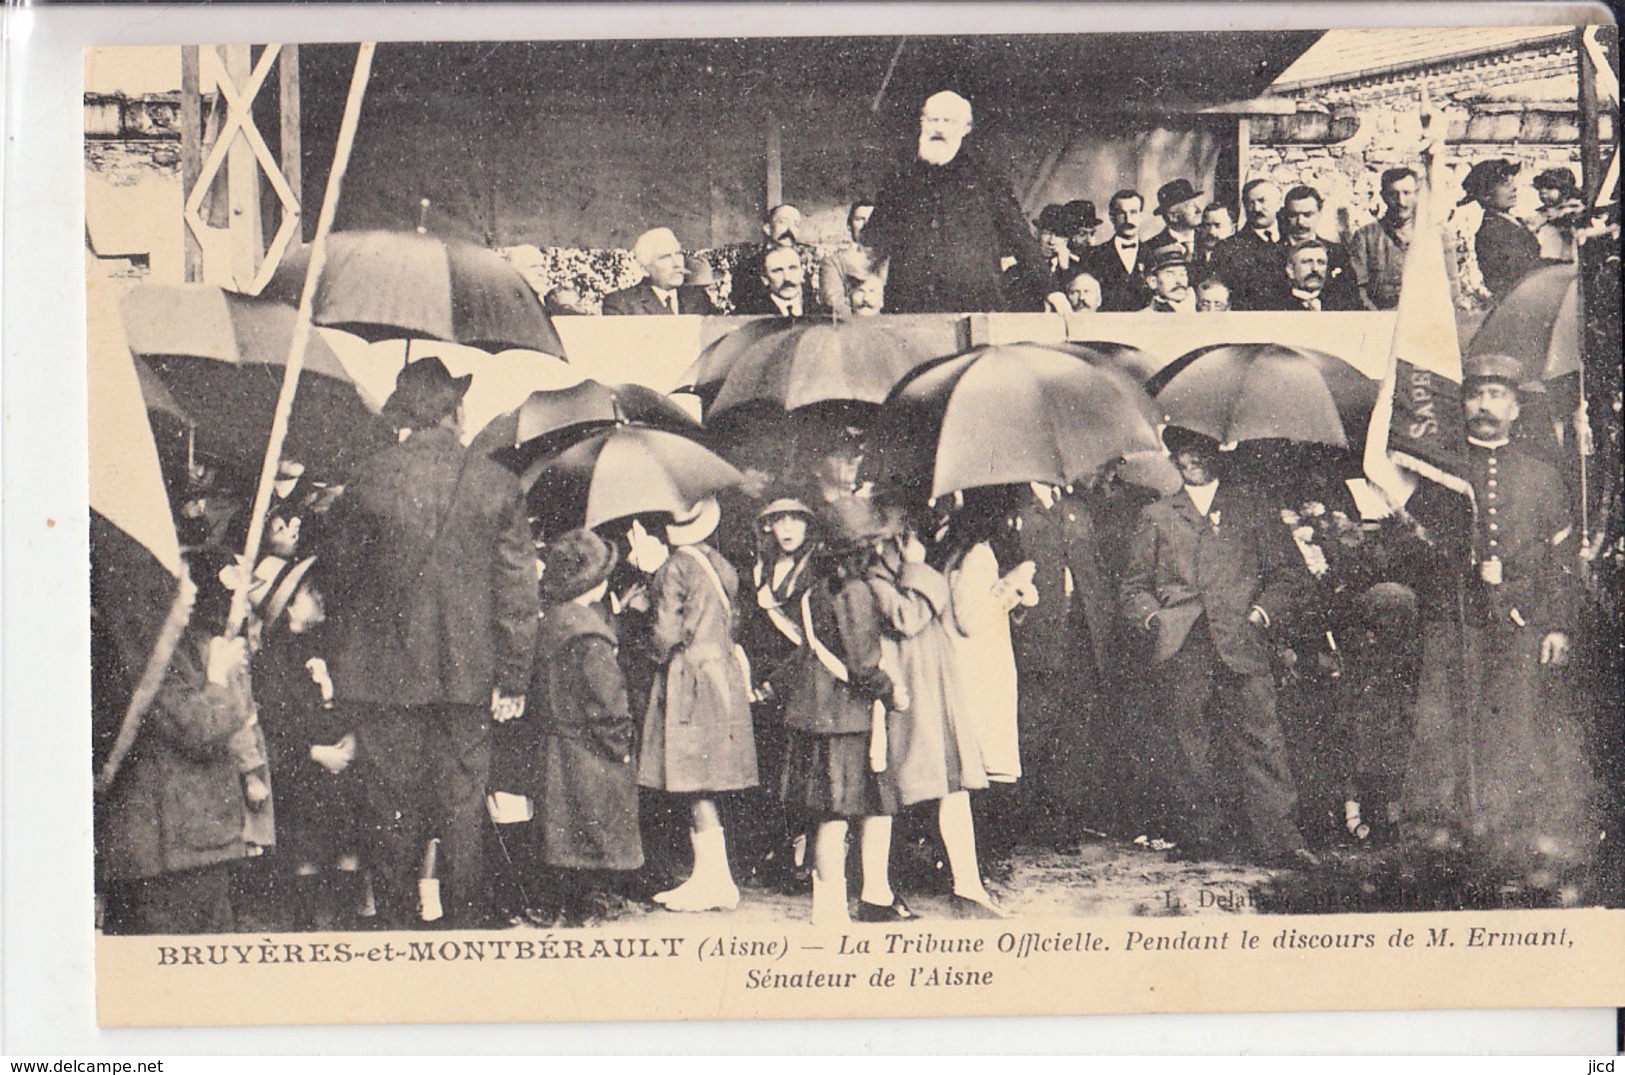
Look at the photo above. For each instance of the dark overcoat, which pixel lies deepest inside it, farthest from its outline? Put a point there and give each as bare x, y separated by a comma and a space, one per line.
417, 622
945, 229
587, 794
845, 620
177, 803
1060, 539
1506, 252
1499, 750
1184, 568
1251, 266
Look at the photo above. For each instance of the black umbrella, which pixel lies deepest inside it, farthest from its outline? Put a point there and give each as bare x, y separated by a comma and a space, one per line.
387, 285
220, 357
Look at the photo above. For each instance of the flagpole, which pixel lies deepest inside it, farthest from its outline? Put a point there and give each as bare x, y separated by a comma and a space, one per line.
1471, 664
302, 329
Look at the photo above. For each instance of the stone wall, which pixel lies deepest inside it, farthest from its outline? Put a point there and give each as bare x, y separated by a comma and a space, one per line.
1474, 99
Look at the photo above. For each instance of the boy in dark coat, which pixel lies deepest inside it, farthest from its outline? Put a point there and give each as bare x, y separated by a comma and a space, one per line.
587, 798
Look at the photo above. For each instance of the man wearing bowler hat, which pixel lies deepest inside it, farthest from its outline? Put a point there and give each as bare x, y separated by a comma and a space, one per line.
1210, 578
434, 620
1180, 206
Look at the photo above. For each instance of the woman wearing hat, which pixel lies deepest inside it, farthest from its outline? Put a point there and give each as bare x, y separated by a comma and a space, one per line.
771, 634
1505, 250
587, 796
697, 736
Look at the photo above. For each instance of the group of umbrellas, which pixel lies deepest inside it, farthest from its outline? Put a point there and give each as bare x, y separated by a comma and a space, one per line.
210, 362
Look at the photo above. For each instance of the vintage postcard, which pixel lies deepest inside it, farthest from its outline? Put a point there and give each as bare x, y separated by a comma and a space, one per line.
855, 525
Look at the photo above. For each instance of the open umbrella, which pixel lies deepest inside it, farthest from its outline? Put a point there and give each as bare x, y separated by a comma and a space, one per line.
138, 585
1266, 391
220, 356
805, 362
551, 419
626, 470
1537, 323
387, 285
704, 376
1015, 413
1141, 365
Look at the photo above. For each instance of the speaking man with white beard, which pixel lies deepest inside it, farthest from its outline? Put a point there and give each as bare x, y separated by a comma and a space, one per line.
949, 227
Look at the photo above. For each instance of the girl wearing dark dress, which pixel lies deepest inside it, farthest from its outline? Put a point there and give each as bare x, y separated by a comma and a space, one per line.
311, 747
586, 795
835, 715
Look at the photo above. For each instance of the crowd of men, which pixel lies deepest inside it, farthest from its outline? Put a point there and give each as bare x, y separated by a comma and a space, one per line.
946, 235
443, 740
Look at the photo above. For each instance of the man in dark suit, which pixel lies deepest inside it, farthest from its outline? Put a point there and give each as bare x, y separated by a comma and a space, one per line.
1063, 649
1180, 205
946, 223
1116, 262
1300, 223
1306, 285
782, 291
1218, 224
1211, 572
783, 231
434, 619
1250, 261
662, 291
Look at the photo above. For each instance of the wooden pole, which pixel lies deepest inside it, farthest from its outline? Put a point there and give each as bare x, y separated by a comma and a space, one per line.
288, 147
245, 229
191, 119
775, 165
302, 329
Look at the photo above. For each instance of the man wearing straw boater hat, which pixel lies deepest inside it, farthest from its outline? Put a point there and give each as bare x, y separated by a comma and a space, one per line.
434, 618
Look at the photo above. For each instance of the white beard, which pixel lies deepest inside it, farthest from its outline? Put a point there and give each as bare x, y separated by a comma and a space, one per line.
938, 153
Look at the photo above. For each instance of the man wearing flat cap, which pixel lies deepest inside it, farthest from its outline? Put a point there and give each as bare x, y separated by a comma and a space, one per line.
947, 225
1505, 250
434, 621
1500, 760
1210, 579
1180, 205
662, 291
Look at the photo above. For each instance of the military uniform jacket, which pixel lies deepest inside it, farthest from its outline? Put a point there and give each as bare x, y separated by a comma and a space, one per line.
423, 622
1521, 520
1186, 569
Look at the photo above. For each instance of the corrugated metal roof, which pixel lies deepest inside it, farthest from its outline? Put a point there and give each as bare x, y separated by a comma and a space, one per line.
1344, 55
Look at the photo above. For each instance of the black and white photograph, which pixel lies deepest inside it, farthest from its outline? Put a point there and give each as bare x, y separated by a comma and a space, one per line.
724, 514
